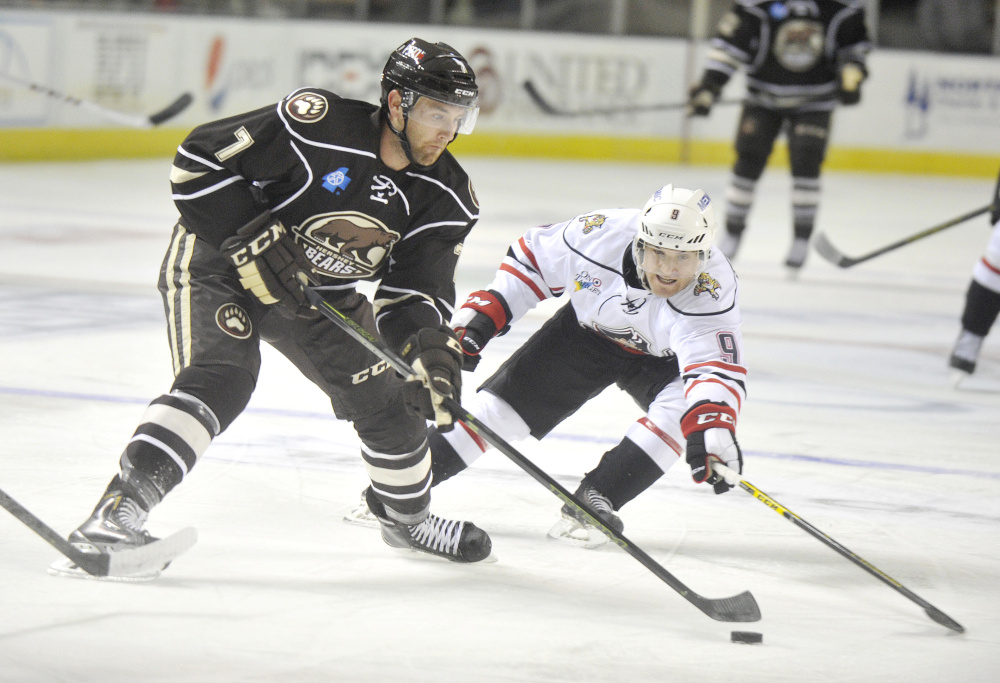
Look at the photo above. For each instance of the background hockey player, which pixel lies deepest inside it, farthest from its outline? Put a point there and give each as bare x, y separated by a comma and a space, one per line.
651, 309
982, 302
345, 191
802, 58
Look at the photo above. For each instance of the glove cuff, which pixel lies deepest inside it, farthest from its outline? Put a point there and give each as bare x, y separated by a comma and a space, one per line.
485, 312
707, 415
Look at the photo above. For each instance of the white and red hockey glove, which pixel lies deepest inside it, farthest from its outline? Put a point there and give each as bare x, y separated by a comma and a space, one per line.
710, 430
483, 315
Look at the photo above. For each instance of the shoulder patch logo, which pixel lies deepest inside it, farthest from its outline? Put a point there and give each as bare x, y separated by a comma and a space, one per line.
707, 283
307, 107
594, 220
472, 193
234, 321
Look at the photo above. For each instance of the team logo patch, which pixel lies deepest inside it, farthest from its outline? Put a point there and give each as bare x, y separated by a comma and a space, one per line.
307, 107
234, 321
707, 283
798, 44
345, 244
625, 336
594, 220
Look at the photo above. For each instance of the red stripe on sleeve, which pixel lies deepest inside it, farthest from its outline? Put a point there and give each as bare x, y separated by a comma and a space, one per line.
525, 279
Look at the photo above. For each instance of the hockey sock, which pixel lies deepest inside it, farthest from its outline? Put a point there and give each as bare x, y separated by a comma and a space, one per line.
981, 308
445, 460
623, 473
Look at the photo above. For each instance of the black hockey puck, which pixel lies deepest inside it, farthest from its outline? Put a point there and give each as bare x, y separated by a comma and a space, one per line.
748, 637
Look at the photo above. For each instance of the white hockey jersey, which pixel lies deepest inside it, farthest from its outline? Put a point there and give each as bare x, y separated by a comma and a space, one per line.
589, 258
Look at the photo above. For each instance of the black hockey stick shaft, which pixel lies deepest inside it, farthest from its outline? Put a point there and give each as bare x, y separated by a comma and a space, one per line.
131, 120
552, 110
834, 255
933, 612
741, 608
97, 565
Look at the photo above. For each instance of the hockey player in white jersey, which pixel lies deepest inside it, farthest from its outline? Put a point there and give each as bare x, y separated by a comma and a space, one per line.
652, 308
982, 302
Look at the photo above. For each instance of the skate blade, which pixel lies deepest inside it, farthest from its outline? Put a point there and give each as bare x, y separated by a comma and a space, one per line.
415, 554
361, 516
67, 568
571, 532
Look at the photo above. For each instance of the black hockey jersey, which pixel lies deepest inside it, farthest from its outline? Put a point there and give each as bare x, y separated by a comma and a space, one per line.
312, 160
792, 50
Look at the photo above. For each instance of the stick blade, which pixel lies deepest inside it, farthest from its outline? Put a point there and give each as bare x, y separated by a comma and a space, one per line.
172, 109
943, 619
739, 608
829, 252
152, 556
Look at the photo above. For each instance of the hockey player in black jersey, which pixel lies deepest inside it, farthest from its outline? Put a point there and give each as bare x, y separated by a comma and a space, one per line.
802, 58
337, 191
982, 302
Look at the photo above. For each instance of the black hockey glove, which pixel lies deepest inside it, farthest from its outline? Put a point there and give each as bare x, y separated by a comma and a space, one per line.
436, 357
702, 96
700, 100
265, 256
483, 315
710, 430
852, 75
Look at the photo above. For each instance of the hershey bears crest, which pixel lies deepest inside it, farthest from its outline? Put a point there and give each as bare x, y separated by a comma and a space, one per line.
707, 283
345, 244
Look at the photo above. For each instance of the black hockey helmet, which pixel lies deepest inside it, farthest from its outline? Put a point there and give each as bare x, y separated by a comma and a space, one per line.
435, 70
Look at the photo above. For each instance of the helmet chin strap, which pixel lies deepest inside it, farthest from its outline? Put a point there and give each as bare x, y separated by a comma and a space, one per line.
404, 142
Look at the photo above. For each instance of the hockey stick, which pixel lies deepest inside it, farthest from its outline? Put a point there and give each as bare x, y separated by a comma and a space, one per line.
732, 477
834, 256
742, 607
131, 120
552, 110
130, 561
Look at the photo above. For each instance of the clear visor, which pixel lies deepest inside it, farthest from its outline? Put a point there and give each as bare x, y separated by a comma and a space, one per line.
670, 263
452, 118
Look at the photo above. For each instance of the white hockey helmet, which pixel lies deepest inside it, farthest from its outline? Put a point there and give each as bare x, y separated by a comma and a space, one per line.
675, 219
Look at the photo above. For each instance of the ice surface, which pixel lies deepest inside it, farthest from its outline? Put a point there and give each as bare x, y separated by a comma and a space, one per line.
851, 423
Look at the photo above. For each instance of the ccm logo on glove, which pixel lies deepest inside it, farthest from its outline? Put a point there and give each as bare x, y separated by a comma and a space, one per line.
258, 245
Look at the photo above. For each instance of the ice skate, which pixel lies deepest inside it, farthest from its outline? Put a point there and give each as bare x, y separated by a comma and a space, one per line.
450, 539
360, 515
574, 529
115, 524
964, 356
797, 254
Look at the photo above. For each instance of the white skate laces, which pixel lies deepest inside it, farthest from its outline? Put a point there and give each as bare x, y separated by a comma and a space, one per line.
437, 534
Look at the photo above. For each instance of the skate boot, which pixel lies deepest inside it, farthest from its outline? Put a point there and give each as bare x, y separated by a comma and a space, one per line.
115, 524
574, 529
797, 254
450, 539
964, 356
